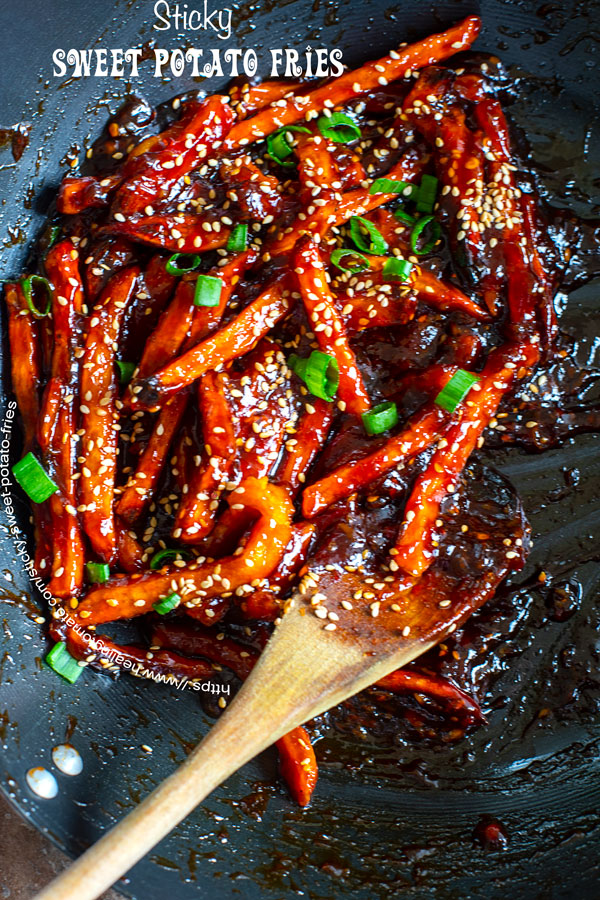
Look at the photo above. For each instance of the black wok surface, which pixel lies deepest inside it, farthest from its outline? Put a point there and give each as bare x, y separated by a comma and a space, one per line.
386, 820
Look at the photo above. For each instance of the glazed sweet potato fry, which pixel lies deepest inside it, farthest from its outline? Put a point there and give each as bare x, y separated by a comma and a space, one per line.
414, 551
298, 764
57, 424
183, 233
98, 393
153, 169
199, 583
196, 514
237, 338
328, 325
440, 689
142, 485
337, 92
77, 194
419, 434
302, 448
25, 360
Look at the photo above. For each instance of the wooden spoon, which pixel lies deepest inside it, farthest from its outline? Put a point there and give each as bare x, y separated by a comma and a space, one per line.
303, 671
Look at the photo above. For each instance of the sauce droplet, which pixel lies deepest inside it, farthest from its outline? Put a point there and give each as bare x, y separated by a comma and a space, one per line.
67, 759
42, 782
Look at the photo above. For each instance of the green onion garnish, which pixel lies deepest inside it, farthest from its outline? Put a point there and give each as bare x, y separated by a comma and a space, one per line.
208, 291
381, 418
53, 235
97, 573
33, 478
60, 660
177, 265
404, 217
28, 286
238, 238
167, 604
338, 127
390, 186
164, 556
319, 373
125, 370
376, 244
419, 228
361, 264
456, 390
427, 193
278, 146
396, 269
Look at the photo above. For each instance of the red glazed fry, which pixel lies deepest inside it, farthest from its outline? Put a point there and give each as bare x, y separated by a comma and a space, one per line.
99, 392
302, 448
409, 681
424, 53
298, 764
126, 597
417, 436
328, 325
182, 233
237, 338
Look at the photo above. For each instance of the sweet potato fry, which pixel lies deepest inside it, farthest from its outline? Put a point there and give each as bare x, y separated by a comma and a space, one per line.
440, 689
198, 583
183, 232
247, 99
99, 392
154, 168
419, 434
339, 91
298, 764
302, 448
77, 194
25, 360
255, 193
237, 338
200, 498
142, 485
172, 330
57, 422
328, 325
414, 549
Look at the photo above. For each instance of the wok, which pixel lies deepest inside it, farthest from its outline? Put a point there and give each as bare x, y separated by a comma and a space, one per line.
391, 816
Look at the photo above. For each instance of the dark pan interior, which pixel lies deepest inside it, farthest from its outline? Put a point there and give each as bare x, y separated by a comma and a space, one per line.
385, 821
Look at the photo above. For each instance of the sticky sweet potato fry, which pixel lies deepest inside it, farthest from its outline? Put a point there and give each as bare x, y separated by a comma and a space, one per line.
302, 448
298, 764
199, 502
178, 233
339, 91
417, 436
238, 337
142, 484
199, 583
154, 168
25, 360
328, 325
414, 550
57, 424
83, 192
449, 695
99, 392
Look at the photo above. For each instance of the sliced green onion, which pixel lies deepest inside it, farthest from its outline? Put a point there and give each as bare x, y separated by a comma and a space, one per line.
163, 556
391, 186
97, 573
419, 228
381, 418
427, 193
396, 269
33, 478
361, 264
237, 239
60, 660
176, 264
53, 235
278, 146
125, 370
208, 291
320, 373
456, 390
376, 244
28, 286
404, 217
339, 127
167, 604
